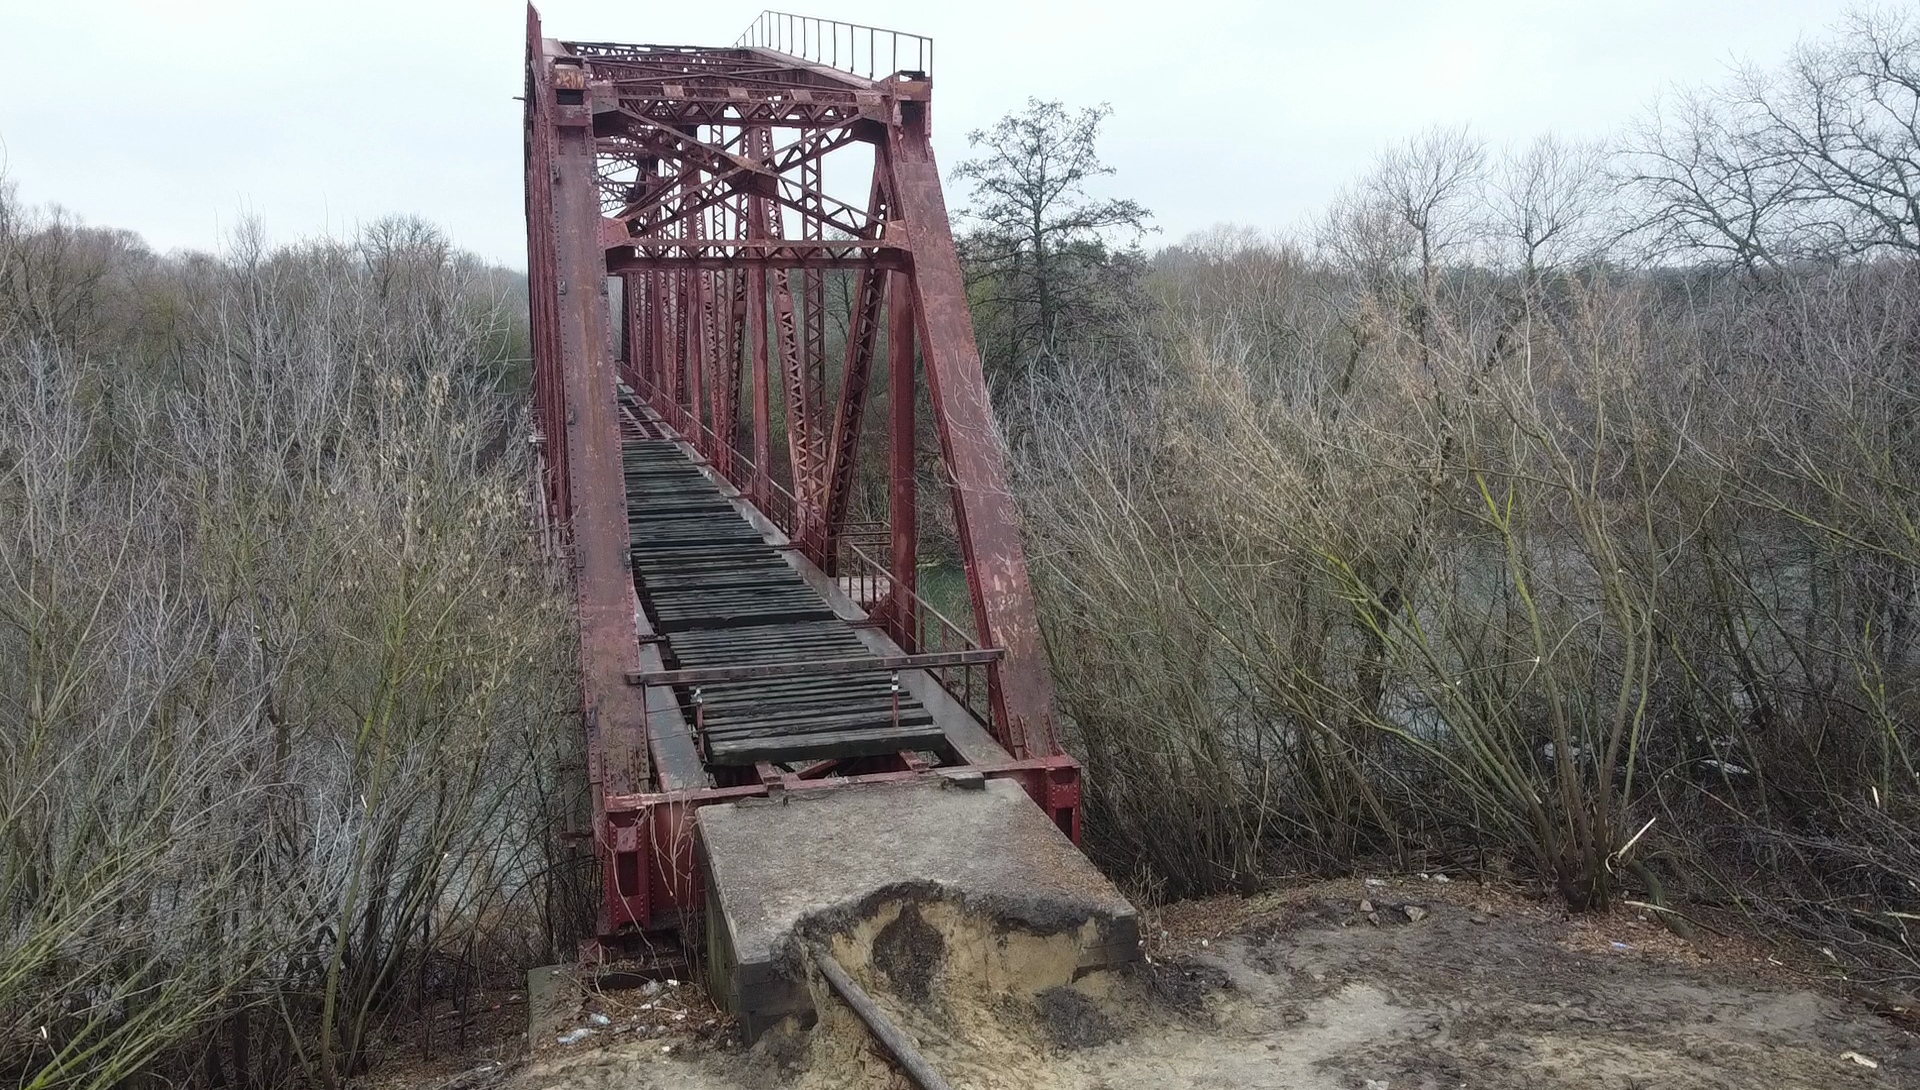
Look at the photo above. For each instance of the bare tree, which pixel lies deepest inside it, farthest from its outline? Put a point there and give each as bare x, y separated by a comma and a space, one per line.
1845, 113
1818, 159
1705, 188
281, 672
1430, 184
1547, 204
1416, 212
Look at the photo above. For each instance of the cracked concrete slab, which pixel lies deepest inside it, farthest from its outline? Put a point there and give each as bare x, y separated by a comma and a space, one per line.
807, 867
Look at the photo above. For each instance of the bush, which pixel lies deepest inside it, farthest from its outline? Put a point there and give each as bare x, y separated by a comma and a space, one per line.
1454, 539
287, 691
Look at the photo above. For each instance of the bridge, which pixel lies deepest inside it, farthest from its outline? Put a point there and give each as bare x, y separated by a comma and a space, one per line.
734, 252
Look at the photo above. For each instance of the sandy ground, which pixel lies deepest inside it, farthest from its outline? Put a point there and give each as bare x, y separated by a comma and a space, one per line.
1379, 985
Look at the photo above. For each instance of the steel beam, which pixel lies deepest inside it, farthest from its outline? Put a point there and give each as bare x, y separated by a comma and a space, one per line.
902, 431
603, 587
989, 528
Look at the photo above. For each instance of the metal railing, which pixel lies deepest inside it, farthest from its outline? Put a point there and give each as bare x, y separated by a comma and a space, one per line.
870, 51
913, 623
958, 663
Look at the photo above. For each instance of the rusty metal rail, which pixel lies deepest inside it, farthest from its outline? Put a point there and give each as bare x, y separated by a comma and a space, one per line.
850, 47
891, 1037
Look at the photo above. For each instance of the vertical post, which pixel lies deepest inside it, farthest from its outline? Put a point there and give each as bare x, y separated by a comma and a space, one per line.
710, 362
633, 324
756, 142
645, 304
680, 360
793, 369
813, 290
603, 582
1019, 688
657, 335
801, 474
696, 313
762, 386
733, 339
902, 507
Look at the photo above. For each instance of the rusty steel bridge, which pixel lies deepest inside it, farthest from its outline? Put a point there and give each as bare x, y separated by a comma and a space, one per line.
742, 521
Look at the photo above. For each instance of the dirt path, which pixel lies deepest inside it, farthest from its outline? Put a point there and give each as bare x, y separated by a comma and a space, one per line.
1307, 990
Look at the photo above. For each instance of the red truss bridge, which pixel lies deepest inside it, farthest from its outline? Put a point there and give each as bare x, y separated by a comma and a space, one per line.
751, 345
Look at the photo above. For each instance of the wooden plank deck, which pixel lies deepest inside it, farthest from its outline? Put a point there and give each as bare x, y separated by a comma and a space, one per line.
720, 595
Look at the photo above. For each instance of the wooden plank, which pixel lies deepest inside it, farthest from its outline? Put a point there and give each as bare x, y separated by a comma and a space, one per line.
728, 697
853, 743
783, 678
819, 721
758, 671
799, 713
689, 623
732, 700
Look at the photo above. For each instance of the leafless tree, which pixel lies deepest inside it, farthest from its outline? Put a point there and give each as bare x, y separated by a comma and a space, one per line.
281, 669
1548, 204
1818, 159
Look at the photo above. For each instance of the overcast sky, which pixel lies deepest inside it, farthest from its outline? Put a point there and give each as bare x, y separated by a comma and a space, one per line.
175, 118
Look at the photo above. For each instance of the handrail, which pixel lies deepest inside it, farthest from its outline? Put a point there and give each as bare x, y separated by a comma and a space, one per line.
917, 626
956, 634
850, 47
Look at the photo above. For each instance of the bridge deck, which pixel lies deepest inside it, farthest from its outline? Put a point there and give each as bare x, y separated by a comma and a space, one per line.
718, 593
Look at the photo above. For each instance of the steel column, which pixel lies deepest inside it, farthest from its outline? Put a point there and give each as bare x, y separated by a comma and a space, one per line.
603, 586
903, 505
989, 528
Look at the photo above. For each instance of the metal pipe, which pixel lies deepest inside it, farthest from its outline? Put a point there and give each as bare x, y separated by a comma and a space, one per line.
897, 1044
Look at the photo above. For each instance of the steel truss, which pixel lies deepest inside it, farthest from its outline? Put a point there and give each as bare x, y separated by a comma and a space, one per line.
702, 183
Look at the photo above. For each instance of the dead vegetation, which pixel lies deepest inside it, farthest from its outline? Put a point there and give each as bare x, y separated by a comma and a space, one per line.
284, 688
1547, 510
1488, 526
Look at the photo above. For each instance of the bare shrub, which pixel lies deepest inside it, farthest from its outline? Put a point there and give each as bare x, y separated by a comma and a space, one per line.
1452, 539
286, 682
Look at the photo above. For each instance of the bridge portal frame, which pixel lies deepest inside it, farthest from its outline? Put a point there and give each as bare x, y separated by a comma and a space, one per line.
696, 180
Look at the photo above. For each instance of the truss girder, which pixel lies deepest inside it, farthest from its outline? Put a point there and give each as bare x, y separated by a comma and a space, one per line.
705, 181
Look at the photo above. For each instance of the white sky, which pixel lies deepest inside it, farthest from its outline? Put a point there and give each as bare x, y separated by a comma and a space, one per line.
175, 118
